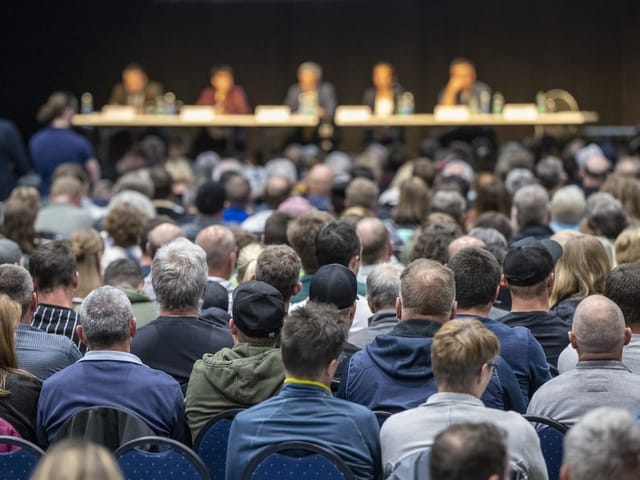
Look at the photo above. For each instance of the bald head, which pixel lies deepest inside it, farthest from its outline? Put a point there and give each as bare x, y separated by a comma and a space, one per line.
219, 244
599, 328
375, 241
319, 180
162, 235
464, 242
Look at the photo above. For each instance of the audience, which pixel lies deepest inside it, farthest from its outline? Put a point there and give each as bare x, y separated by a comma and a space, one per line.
64, 213
531, 213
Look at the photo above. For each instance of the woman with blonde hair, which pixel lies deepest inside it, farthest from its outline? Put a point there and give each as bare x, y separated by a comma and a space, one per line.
75, 459
412, 208
581, 271
87, 246
246, 262
19, 390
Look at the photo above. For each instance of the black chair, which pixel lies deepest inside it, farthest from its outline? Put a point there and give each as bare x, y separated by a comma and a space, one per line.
18, 464
551, 435
211, 442
297, 460
382, 416
107, 426
150, 458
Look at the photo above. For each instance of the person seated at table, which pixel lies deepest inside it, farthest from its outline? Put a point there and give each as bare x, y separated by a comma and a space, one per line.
57, 143
383, 98
226, 98
136, 89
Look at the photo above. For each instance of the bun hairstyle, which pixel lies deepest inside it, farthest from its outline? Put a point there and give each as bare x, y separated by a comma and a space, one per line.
56, 105
86, 242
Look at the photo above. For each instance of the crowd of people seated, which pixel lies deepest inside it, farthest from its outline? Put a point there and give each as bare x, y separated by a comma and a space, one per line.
318, 289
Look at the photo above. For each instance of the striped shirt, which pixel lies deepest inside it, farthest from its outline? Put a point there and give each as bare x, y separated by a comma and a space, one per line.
58, 320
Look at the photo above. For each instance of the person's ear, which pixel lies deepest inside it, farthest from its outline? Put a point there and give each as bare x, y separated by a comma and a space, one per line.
573, 340
76, 279
232, 327
399, 308
81, 336
297, 288
564, 473
369, 303
495, 297
34, 301
133, 327
503, 281
551, 278
389, 250
454, 309
332, 367
627, 335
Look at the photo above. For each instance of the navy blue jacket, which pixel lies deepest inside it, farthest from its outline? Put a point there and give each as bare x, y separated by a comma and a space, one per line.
393, 373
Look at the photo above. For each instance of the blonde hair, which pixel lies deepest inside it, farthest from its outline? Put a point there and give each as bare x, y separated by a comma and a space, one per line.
563, 236
413, 202
459, 350
628, 246
10, 314
246, 262
582, 269
77, 460
87, 246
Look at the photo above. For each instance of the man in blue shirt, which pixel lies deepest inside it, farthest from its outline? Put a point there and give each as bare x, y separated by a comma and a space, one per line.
109, 375
304, 410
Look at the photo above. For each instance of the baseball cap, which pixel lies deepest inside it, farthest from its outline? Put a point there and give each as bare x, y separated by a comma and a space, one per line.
530, 260
334, 283
258, 309
9, 251
215, 296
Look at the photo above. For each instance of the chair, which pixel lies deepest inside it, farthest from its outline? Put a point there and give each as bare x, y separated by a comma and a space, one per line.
211, 442
382, 416
551, 434
297, 460
107, 426
159, 457
414, 466
19, 463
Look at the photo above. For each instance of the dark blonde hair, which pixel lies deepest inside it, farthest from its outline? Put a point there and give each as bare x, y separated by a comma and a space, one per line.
124, 224
10, 313
413, 203
87, 246
76, 459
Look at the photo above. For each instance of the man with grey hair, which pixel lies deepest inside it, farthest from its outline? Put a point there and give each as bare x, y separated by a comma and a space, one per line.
568, 206
219, 246
109, 375
551, 174
38, 352
383, 288
311, 95
179, 337
600, 378
450, 202
603, 445
531, 213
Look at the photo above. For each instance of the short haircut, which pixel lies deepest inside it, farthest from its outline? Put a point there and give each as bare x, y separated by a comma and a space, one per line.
461, 61
605, 215
459, 350
477, 275
362, 192
16, 283
550, 172
433, 242
598, 325
136, 181
160, 235
52, 265
276, 191
627, 246
279, 266
450, 202
568, 205
105, 315
66, 185
337, 242
383, 285
123, 271
496, 220
494, 242
124, 224
374, 238
427, 288
604, 444
210, 198
312, 336
179, 275
162, 182
237, 190
622, 286
275, 228
310, 66
531, 204
218, 243
302, 233
469, 451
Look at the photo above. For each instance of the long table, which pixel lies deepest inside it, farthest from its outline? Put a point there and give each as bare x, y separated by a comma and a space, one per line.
146, 120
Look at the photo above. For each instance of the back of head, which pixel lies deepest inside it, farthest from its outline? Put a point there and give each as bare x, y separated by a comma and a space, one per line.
627, 246
105, 315
57, 104
568, 205
160, 235
66, 186
86, 244
76, 459
16, 283
312, 337
621, 287
531, 205
52, 265
275, 228
337, 242
528, 265
606, 215
603, 445
383, 285
123, 272
550, 172
494, 242
70, 169
374, 237
136, 181
334, 284
598, 326
469, 451
162, 182
279, 266
427, 288
302, 233
237, 191
362, 192
459, 350
258, 312
433, 242
513, 155
477, 275
496, 220
179, 275
10, 313
219, 245
276, 191
124, 224
10, 252
210, 198
413, 202
450, 202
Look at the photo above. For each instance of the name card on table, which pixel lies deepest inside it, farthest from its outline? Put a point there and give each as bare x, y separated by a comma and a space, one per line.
197, 113
451, 113
272, 113
520, 111
353, 113
118, 112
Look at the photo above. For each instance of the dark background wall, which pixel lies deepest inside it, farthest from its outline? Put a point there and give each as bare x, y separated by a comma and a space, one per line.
588, 47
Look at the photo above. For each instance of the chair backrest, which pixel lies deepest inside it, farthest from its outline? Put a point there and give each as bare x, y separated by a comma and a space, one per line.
7, 430
150, 458
107, 426
382, 416
211, 442
414, 466
18, 464
297, 460
551, 434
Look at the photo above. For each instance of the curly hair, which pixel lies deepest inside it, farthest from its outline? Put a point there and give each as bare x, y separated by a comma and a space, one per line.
124, 224
19, 225
433, 242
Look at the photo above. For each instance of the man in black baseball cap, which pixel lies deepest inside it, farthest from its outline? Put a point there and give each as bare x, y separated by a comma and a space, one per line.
528, 270
252, 370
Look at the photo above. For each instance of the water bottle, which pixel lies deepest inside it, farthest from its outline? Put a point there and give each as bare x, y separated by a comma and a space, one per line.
485, 102
541, 102
159, 105
86, 103
474, 104
406, 104
170, 103
498, 103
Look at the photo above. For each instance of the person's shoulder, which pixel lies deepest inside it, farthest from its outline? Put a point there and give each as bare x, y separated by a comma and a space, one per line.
354, 410
24, 380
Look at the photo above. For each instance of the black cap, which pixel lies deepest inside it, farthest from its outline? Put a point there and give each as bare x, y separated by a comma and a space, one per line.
215, 296
334, 283
529, 261
258, 309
